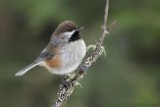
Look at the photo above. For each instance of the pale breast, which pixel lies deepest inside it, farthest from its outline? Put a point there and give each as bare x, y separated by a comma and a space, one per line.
67, 59
71, 57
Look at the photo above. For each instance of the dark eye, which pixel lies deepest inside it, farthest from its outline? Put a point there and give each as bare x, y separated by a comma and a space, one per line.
69, 30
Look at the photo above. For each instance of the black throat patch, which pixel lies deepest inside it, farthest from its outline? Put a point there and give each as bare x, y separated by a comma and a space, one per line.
75, 36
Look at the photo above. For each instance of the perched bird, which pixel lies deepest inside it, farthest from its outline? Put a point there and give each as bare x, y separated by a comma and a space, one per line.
64, 52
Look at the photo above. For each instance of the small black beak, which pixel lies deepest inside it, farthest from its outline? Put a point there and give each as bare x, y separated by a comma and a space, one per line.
79, 28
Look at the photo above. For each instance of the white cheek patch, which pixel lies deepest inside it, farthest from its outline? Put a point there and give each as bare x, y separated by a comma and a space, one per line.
68, 34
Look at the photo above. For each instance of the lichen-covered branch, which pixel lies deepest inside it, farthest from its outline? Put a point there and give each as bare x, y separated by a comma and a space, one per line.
66, 87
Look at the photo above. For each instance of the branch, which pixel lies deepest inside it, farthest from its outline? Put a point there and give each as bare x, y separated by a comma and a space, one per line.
66, 87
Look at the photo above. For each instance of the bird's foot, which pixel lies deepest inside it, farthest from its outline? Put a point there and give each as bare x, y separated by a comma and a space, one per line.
91, 46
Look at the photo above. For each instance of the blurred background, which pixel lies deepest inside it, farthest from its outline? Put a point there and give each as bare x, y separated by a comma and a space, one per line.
129, 75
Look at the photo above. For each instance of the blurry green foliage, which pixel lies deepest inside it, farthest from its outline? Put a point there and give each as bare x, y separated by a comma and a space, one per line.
127, 77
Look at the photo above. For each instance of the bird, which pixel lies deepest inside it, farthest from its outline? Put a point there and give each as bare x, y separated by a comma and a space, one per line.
64, 52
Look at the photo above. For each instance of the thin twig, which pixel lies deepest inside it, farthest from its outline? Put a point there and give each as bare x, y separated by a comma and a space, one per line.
67, 86
104, 28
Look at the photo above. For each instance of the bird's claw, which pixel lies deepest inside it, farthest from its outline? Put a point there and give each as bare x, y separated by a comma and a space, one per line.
91, 46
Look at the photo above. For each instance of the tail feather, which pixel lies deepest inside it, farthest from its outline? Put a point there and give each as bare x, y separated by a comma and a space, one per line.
26, 69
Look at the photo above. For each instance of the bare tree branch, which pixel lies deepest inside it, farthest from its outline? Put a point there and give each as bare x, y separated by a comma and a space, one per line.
66, 87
